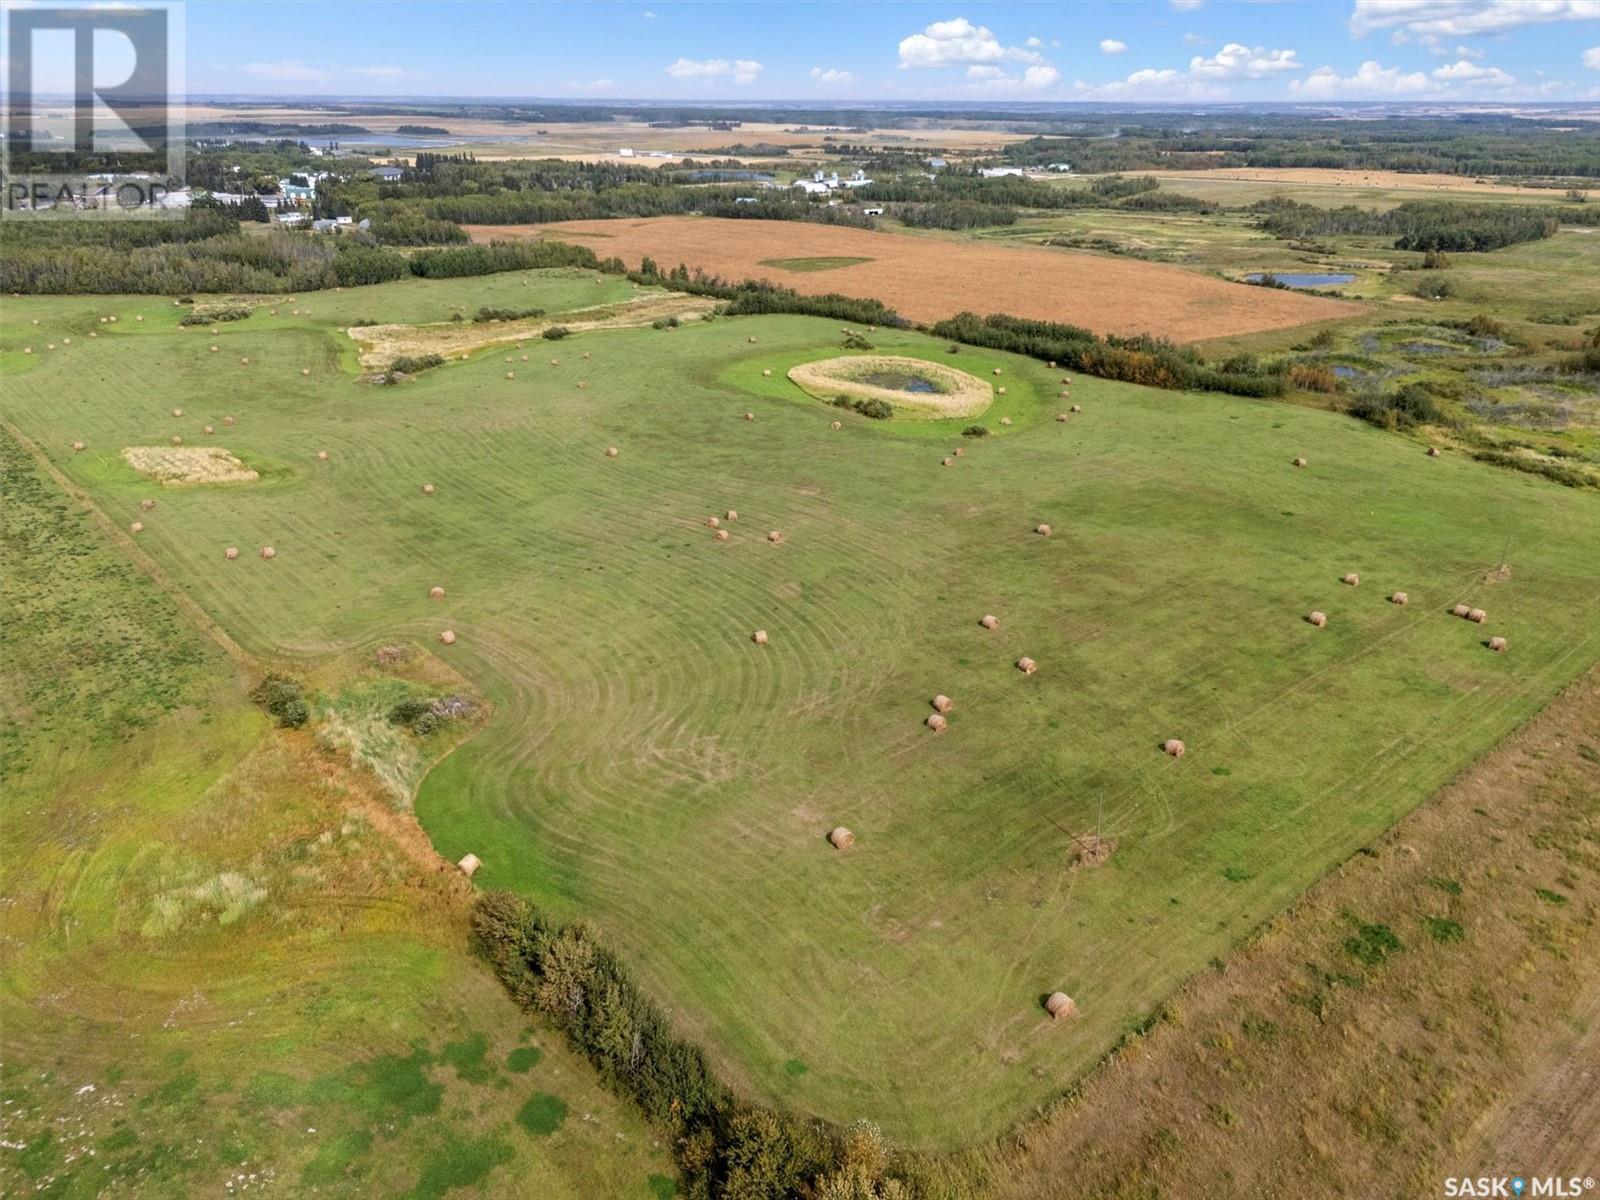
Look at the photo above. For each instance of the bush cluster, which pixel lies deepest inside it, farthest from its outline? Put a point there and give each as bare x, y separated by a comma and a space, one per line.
283, 699
213, 316
486, 314
410, 364
878, 410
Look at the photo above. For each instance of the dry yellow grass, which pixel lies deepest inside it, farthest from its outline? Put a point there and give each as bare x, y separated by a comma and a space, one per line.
960, 394
178, 465
382, 344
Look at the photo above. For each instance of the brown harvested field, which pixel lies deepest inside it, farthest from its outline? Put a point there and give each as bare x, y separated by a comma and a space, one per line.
1324, 177
927, 278
1322, 1060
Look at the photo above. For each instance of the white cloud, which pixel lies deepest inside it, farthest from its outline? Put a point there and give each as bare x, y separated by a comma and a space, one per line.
648, 15
1591, 58
740, 70
1033, 43
1234, 61
831, 75
959, 43
1151, 84
1471, 73
1112, 46
1469, 52
1187, 5
1194, 39
1039, 78
1419, 19
977, 71
1372, 79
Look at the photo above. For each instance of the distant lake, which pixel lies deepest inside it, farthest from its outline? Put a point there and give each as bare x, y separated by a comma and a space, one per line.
1298, 280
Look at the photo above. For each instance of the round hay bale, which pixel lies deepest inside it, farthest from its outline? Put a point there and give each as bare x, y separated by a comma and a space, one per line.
1042, 530
555, 362
448, 637
49, 345
207, 429
305, 370
841, 838
1076, 408
722, 535
1319, 619
582, 383
997, 370
322, 456
1299, 462
436, 593
244, 362
1173, 747
511, 374
1477, 616
713, 522
176, 440
1005, 420
767, 373
990, 621
775, 537
1400, 598
268, 552
508, 358
77, 446
469, 865
1433, 452
525, 357
1497, 644
751, 340
611, 452
943, 703
1063, 417
1052, 365
1000, 391
948, 462
759, 637
27, 349
1067, 380
231, 553
177, 412
227, 420
731, 515
138, 318
1351, 579
427, 489
147, 505
66, 341
586, 356
1060, 1005
92, 333
1026, 665
1460, 610
936, 722
136, 527
215, 349
835, 424
749, 416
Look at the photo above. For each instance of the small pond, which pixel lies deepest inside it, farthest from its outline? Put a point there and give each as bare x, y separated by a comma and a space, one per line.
900, 381
1344, 372
1297, 279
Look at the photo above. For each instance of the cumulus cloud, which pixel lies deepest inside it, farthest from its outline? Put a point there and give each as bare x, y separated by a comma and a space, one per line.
959, 43
1371, 79
1591, 58
1422, 19
1234, 61
1112, 46
831, 75
1187, 5
740, 70
978, 71
1469, 52
1194, 39
1470, 73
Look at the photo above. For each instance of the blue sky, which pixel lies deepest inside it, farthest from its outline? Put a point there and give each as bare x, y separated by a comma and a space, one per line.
1149, 50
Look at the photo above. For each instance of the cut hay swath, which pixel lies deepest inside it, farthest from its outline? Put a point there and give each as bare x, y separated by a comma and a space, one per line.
178, 465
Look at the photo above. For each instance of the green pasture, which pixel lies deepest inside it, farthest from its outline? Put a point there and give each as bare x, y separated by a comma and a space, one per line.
648, 767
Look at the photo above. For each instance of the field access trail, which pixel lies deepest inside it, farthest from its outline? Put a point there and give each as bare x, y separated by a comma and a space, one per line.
927, 279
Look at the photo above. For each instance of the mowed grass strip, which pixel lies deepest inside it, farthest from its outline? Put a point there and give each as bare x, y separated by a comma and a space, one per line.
652, 769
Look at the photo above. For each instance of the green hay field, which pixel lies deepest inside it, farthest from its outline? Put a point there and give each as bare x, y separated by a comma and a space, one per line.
651, 769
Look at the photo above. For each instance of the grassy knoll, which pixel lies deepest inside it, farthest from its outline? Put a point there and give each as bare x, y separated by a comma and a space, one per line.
222, 976
823, 263
649, 767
